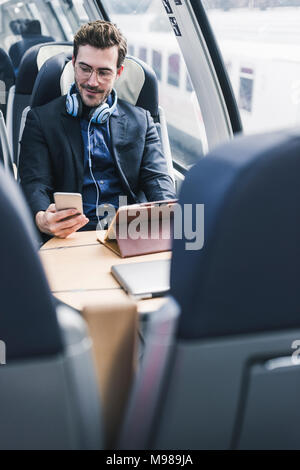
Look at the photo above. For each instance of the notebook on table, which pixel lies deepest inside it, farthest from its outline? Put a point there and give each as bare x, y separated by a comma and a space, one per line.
144, 280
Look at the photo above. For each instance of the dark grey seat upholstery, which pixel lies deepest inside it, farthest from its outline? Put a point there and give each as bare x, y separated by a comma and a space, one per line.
250, 260
7, 79
5, 154
31, 63
31, 33
232, 372
48, 393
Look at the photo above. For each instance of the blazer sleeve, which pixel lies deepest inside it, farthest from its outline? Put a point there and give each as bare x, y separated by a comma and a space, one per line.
35, 165
155, 181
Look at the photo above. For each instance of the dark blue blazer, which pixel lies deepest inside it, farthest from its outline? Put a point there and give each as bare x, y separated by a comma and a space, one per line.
52, 154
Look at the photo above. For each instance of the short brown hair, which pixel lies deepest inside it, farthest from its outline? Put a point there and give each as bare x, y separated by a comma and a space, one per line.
101, 34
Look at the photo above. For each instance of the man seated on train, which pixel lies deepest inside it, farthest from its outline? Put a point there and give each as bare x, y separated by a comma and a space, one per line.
73, 144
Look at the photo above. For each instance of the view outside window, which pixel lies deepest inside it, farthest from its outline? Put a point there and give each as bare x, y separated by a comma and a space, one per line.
260, 44
157, 63
148, 29
189, 86
26, 23
173, 69
143, 54
246, 89
131, 49
58, 19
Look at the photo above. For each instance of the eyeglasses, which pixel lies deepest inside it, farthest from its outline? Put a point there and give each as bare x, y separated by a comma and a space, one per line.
85, 72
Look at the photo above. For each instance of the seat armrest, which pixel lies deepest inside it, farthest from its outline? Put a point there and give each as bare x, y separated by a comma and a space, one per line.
144, 400
73, 327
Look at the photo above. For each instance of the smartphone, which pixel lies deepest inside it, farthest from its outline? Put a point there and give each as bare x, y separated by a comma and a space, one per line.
68, 201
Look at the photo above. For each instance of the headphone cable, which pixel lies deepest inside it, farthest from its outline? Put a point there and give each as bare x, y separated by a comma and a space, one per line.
91, 172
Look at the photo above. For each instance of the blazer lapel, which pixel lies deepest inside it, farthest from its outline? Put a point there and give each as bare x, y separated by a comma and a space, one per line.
118, 126
73, 133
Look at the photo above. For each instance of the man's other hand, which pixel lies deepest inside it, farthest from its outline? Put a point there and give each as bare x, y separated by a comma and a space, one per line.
60, 223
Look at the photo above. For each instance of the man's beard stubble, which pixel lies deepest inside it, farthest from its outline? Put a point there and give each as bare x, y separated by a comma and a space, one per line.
98, 90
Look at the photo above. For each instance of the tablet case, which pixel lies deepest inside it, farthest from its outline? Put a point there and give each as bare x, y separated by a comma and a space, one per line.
141, 229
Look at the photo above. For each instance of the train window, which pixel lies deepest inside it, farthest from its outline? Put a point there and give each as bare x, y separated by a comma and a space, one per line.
188, 83
266, 35
130, 49
157, 63
47, 20
173, 69
228, 66
246, 89
146, 25
143, 54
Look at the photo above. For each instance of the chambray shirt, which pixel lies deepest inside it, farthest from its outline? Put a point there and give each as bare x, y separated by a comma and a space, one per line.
103, 168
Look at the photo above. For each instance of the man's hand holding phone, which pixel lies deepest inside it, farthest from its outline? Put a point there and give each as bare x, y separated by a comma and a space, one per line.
59, 219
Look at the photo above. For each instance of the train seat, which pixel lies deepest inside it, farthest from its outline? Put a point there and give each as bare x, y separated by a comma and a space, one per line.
31, 33
49, 396
7, 79
20, 94
137, 85
5, 154
232, 375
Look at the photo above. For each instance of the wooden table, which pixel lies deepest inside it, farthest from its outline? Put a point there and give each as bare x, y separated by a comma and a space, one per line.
78, 271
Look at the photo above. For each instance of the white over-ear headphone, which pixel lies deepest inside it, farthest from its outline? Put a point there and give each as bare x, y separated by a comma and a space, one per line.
97, 115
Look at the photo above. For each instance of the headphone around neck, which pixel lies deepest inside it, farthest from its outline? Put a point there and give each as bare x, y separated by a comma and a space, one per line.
97, 115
